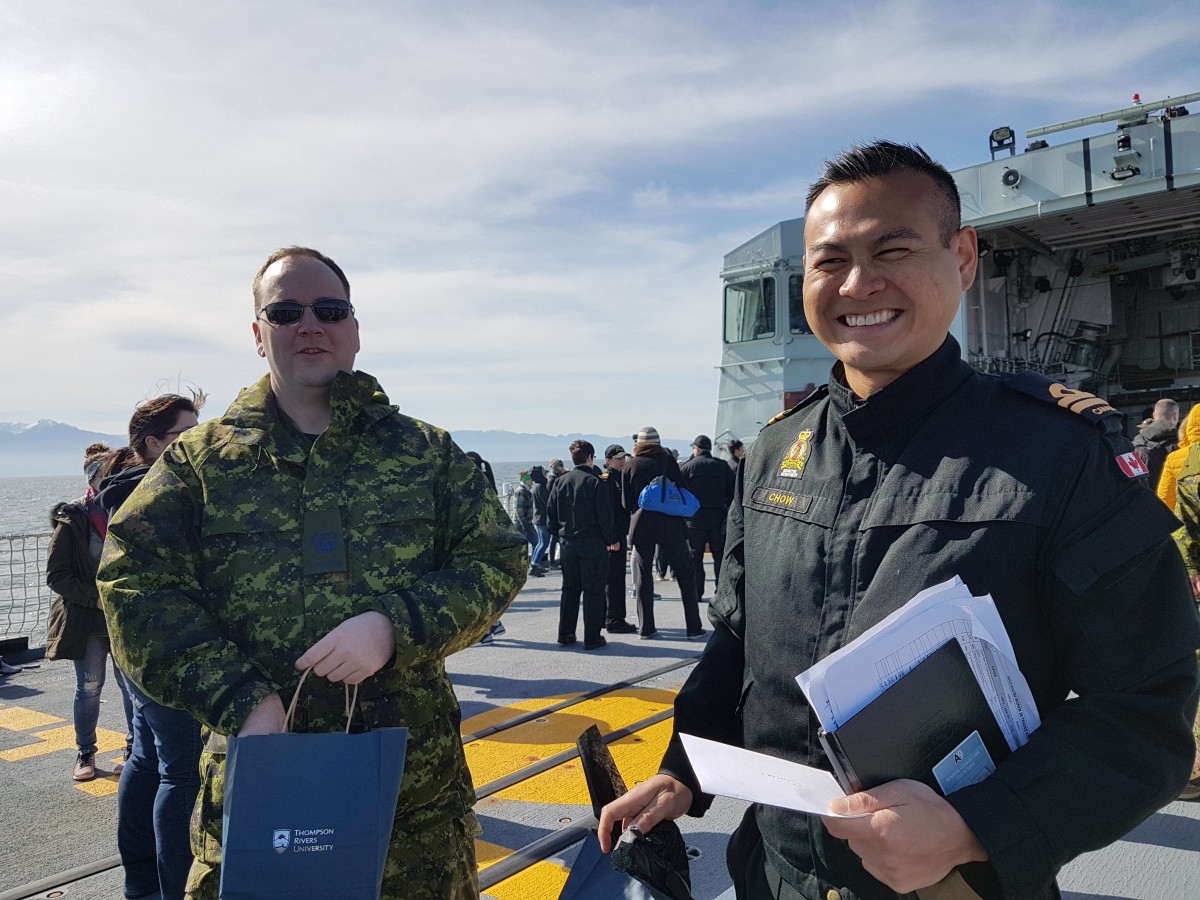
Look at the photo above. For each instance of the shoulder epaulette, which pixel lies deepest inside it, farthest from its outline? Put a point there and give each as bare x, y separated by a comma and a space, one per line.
811, 398
1095, 410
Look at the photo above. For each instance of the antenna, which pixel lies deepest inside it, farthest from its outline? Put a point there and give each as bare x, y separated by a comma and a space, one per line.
1130, 115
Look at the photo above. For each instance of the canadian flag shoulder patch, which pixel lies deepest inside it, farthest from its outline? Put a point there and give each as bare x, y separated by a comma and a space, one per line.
1131, 464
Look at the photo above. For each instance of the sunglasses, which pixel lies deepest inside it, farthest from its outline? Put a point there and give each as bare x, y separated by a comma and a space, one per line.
289, 312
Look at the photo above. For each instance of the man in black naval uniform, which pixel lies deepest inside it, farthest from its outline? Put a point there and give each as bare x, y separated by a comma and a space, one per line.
906, 469
711, 480
614, 584
580, 512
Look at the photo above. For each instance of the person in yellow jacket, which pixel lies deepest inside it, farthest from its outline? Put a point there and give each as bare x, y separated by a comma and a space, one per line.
1189, 434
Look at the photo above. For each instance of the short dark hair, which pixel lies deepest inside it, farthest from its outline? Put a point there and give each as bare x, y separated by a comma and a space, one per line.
284, 253
154, 418
882, 158
581, 451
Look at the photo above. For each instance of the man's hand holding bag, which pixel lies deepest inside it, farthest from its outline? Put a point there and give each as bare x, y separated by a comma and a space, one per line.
317, 831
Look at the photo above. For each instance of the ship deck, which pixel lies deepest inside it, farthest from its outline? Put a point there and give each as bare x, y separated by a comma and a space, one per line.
524, 702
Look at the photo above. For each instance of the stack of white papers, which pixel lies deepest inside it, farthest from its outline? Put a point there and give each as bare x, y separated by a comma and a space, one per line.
844, 682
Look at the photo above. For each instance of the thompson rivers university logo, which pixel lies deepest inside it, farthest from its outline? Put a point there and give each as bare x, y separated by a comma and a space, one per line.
302, 840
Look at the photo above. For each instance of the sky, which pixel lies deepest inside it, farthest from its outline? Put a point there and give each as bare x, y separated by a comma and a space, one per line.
531, 199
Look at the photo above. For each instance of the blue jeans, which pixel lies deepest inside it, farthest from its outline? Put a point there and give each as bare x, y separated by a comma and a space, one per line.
543, 542
89, 682
154, 803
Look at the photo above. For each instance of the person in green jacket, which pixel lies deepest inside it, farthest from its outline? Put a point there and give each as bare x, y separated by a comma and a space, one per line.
314, 526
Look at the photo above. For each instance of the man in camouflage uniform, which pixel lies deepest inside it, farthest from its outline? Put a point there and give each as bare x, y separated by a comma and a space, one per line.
314, 526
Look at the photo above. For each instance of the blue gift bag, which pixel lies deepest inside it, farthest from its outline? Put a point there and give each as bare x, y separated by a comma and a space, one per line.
593, 877
309, 816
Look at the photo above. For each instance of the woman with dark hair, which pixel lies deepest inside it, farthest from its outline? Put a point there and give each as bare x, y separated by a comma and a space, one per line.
76, 630
162, 777
647, 529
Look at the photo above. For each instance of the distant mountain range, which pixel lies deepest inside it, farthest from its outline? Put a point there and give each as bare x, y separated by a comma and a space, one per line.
51, 448
47, 448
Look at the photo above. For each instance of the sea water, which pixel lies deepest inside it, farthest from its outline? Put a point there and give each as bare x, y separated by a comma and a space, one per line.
25, 503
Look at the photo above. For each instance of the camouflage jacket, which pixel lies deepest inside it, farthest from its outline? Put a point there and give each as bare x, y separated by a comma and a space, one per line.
204, 581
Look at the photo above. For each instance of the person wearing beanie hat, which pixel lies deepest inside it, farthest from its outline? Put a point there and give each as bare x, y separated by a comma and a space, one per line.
648, 529
648, 435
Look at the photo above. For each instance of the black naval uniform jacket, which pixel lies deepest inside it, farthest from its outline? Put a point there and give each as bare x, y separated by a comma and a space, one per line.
845, 509
580, 508
711, 480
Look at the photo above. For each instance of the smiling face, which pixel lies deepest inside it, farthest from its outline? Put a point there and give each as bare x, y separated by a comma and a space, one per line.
880, 288
307, 355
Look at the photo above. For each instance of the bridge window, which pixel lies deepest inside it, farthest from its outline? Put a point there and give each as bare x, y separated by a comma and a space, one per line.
798, 322
749, 310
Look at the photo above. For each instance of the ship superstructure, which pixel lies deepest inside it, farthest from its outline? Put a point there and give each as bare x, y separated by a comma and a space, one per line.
1089, 272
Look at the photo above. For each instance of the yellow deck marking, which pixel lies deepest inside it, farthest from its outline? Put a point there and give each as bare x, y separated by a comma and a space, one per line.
15, 718
493, 757
637, 758
100, 787
53, 740
543, 880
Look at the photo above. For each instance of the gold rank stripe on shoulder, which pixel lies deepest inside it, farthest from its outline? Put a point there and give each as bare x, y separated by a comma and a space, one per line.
1079, 401
1095, 409
779, 417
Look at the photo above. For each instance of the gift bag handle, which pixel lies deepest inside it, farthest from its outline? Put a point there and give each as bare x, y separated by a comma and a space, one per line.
351, 702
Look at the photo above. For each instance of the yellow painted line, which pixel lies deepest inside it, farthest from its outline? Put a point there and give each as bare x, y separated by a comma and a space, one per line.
100, 787
16, 718
543, 879
54, 740
637, 759
498, 755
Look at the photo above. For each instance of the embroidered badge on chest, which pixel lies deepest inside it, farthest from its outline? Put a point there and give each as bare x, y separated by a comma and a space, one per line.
793, 462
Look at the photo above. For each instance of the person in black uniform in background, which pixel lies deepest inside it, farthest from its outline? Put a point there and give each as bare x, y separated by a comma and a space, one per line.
736, 453
614, 586
580, 513
711, 480
906, 469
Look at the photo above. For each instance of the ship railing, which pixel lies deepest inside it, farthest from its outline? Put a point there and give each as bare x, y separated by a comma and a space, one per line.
1002, 365
24, 597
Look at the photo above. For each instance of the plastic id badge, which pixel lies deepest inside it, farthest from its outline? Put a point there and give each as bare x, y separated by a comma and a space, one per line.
966, 764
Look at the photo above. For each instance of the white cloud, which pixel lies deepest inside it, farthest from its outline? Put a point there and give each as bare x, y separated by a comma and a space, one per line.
531, 200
